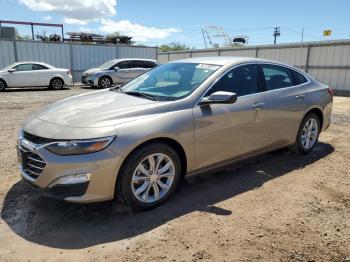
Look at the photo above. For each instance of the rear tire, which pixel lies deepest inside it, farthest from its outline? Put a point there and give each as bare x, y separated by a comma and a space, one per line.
105, 82
144, 184
56, 83
2, 85
308, 134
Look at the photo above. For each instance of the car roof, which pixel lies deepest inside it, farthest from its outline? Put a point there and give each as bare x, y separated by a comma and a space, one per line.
222, 60
33, 62
134, 59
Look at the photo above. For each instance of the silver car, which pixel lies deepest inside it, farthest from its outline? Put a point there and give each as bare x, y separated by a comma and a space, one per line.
137, 142
117, 71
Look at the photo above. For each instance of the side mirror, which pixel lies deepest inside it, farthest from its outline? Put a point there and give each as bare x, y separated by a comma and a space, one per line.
219, 97
11, 70
116, 68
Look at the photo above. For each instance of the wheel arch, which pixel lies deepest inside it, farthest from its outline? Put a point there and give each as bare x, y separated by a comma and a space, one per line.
318, 112
57, 77
1, 79
100, 77
162, 140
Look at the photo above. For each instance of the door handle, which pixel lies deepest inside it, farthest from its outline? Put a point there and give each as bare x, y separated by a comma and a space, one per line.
299, 96
258, 106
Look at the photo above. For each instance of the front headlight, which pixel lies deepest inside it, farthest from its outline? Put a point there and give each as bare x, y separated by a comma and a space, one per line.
79, 147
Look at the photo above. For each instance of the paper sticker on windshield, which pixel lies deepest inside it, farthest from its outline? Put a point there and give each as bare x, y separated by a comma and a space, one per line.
208, 67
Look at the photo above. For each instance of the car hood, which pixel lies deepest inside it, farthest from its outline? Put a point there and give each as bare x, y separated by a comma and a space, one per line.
95, 70
100, 109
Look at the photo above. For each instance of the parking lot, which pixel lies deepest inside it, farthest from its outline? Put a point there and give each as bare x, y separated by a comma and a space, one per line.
279, 206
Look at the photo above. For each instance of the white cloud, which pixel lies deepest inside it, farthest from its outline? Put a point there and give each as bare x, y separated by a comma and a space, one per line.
85, 29
79, 10
137, 31
73, 21
47, 18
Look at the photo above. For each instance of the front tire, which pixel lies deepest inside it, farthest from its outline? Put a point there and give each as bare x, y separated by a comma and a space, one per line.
149, 176
105, 82
56, 83
308, 134
2, 85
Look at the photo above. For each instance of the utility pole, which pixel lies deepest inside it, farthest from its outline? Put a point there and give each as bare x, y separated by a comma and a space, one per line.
276, 32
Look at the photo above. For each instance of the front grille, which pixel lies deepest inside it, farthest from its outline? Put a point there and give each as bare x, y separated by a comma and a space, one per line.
37, 139
83, 79
32, 164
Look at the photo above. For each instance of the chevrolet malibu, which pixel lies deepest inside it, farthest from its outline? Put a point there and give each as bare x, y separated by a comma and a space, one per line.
137, 142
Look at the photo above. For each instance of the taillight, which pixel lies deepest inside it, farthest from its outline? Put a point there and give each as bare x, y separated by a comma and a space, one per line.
330, 91
68, 72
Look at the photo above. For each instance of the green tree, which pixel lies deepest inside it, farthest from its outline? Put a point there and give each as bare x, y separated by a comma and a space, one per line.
174, 46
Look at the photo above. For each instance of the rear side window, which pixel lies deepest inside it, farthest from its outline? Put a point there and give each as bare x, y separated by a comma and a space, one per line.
277, 77
39, 67
242, 80
298, 78
136, 64
148, 64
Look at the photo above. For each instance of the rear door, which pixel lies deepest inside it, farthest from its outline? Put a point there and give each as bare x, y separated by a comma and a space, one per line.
285, 104
225, 131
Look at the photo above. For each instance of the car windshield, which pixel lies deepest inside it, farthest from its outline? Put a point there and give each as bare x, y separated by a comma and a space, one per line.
171, 81
108, 64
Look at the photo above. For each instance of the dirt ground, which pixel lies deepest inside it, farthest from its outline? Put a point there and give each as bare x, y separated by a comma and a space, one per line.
276, 207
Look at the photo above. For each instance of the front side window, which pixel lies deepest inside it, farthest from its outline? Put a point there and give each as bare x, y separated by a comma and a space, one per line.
123, 65
171, 81
242, 80
277, 77
24, 67
149, 64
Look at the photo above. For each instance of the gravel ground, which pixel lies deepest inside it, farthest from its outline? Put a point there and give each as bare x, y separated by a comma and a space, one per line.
276, 207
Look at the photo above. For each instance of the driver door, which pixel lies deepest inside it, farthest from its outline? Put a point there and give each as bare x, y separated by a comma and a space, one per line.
226, 131
123, 74
23, 76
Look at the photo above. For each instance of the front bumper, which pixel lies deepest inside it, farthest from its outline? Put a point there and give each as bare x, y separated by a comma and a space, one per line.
103, 167
89, 80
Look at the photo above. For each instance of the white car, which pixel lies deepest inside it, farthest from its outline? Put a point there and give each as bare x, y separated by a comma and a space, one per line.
34, 74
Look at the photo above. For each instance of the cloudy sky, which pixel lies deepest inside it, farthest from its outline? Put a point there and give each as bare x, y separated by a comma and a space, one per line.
161, 21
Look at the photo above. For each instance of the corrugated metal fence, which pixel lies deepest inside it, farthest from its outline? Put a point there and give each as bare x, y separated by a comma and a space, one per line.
328, 61
77, 57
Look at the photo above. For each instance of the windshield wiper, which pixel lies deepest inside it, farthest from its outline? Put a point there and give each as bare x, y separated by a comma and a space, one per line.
115, 88
140, 94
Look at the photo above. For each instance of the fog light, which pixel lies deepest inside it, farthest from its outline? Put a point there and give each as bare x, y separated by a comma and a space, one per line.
71, 179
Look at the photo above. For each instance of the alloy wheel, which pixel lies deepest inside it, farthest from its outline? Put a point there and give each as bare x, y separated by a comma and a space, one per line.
309, 133
57, 84
105, 83
153, 178
2, 86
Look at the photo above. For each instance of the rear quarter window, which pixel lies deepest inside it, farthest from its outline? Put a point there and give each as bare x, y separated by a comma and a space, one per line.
299, 79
